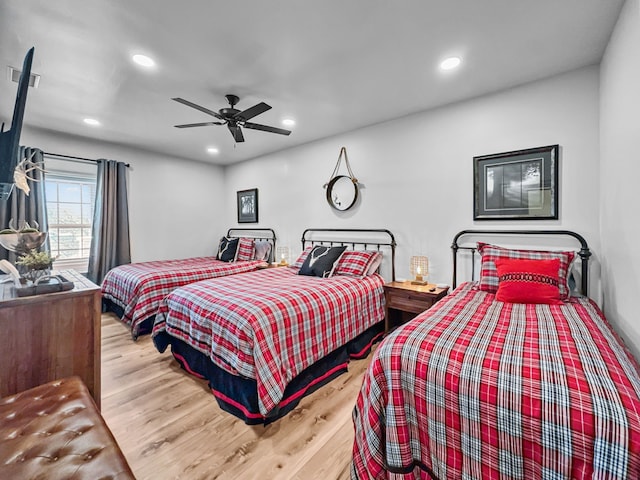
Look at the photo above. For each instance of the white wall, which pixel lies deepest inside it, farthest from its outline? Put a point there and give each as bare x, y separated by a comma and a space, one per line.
619, 175
418, 170
174, 204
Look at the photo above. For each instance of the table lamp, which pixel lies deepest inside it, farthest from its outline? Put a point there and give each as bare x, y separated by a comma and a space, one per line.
283, 254
419, 268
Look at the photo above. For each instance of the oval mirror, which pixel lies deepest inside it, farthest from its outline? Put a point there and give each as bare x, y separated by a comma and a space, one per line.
342, 192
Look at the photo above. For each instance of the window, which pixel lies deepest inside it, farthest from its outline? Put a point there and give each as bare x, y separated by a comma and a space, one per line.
70, 203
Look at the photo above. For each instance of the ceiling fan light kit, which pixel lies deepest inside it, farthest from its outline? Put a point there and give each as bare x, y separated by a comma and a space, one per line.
233, 118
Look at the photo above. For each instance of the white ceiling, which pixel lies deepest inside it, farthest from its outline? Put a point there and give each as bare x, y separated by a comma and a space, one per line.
333, 65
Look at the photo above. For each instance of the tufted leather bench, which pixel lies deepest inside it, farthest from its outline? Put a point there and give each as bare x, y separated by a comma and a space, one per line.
55, 431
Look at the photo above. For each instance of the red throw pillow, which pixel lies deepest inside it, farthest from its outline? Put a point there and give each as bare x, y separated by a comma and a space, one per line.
245, 250
491, 253
356, 263
528, 281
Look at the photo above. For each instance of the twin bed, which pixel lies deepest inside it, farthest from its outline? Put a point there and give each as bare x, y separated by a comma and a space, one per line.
134, 291
265, 339
477, 387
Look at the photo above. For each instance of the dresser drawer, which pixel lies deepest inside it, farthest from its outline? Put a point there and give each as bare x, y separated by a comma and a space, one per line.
408, 301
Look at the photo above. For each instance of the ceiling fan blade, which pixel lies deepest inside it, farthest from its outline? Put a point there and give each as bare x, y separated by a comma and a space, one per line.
236, 132
252, 111
198, 107
266, 128
204, 124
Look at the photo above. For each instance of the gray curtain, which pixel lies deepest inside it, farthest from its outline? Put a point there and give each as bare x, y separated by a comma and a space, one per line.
110, 235
22, 208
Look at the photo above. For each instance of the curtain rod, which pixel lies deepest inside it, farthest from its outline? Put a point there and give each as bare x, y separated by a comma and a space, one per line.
72, 158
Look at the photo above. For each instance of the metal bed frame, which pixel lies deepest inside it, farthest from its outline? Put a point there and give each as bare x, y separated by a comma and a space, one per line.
584, 252
267, 234
387, 240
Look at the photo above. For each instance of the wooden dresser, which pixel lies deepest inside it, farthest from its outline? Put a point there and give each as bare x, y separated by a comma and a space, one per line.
50, 336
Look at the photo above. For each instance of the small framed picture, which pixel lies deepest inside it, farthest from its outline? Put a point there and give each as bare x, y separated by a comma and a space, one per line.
248, 206
519, 185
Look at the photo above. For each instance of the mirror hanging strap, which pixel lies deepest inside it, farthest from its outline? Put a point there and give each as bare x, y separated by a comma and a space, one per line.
343, 153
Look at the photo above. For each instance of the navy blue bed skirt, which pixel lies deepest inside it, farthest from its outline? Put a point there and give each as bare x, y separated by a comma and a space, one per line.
143, 327
238, 395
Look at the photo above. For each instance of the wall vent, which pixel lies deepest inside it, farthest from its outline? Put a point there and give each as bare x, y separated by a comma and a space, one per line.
13, 74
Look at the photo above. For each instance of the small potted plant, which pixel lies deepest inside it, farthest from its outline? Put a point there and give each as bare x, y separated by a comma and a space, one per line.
35, 264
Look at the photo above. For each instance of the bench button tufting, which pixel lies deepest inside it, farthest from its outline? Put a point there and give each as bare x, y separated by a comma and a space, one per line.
43, 439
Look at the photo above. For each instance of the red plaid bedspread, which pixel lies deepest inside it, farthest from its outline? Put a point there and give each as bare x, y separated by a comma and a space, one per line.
271, 324
139, 287
479, 389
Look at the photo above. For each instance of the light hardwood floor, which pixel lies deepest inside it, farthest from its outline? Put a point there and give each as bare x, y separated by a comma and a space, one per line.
169, 425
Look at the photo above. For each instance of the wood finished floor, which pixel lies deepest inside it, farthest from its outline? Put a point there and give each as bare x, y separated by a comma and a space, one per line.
169, 425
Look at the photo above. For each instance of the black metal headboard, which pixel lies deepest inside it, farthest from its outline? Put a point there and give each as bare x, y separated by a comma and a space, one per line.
257, 234
584, 252
386, 240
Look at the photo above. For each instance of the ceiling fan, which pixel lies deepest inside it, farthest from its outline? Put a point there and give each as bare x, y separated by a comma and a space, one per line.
233, 118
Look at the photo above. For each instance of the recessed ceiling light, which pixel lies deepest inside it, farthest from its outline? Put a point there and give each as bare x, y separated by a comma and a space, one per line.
450, 63
213, 150
143, 60
92, 121
289, 122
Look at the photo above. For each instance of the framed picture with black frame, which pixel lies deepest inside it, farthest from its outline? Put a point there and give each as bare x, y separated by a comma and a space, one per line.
248, 206
518, 185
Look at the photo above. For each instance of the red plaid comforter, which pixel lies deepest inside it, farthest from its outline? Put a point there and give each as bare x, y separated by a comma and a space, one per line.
139, 287
480, 389
271, 324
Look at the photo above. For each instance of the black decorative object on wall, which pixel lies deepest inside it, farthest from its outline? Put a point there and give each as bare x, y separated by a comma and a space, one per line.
248, 206
518, 185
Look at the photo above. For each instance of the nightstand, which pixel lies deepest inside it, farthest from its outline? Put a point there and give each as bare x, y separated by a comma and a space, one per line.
272, 265
404, 301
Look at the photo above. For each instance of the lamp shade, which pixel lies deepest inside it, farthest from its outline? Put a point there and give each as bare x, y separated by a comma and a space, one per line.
282, 255
419, 268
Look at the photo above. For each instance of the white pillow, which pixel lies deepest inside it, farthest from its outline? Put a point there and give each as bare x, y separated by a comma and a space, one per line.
262, 250
375, 264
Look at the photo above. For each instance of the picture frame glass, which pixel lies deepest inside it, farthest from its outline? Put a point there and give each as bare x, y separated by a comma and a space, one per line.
518, 185
247, 201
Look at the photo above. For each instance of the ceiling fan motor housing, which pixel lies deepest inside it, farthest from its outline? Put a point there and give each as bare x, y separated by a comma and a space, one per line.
228, 112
